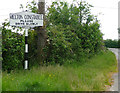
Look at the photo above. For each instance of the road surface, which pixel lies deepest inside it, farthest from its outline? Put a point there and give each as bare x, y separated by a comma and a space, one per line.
116, 85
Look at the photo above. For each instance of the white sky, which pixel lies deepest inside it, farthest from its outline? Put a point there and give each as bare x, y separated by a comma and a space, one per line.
108, 10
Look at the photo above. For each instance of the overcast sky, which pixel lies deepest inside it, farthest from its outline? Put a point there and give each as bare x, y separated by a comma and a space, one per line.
107, 11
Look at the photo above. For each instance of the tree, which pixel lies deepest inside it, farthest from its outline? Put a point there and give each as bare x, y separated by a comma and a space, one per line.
79, 27
71, 30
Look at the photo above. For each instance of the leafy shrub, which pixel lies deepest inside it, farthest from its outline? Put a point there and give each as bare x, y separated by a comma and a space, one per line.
12, 48
72, 31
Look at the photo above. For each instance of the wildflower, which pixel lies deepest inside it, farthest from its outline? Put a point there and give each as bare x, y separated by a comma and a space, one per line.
49, 75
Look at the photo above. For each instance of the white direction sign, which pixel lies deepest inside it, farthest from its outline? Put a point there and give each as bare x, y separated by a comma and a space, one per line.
26, 19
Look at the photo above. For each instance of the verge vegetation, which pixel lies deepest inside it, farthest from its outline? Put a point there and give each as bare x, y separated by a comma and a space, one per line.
73, 58
92, 75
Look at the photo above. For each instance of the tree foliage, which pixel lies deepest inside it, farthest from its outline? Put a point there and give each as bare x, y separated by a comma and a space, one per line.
73, 30
109, 43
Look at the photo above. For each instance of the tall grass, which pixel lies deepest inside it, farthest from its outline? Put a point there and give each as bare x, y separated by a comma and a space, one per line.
93, 75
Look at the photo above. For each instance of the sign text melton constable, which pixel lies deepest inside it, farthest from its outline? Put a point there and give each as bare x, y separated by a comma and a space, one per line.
26, 19
35, 17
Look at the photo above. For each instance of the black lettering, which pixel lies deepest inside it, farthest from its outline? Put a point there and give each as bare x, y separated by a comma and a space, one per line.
16, 17
33, 17
28, 20
12, 17
21, 20
19, 17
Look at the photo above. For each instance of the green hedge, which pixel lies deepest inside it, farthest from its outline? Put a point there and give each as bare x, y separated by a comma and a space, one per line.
112, 43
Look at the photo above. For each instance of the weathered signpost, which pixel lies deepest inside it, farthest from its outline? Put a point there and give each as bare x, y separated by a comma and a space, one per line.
26, 20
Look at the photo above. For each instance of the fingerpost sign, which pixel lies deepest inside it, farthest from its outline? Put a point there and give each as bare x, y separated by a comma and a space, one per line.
26, 20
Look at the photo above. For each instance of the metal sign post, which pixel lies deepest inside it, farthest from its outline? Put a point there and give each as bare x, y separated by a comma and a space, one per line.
26, 48
26, 20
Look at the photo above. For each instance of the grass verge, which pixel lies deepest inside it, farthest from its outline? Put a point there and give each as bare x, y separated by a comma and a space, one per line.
0, 81
93, 75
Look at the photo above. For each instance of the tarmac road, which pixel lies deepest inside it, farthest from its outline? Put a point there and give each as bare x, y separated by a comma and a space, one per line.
116, 78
